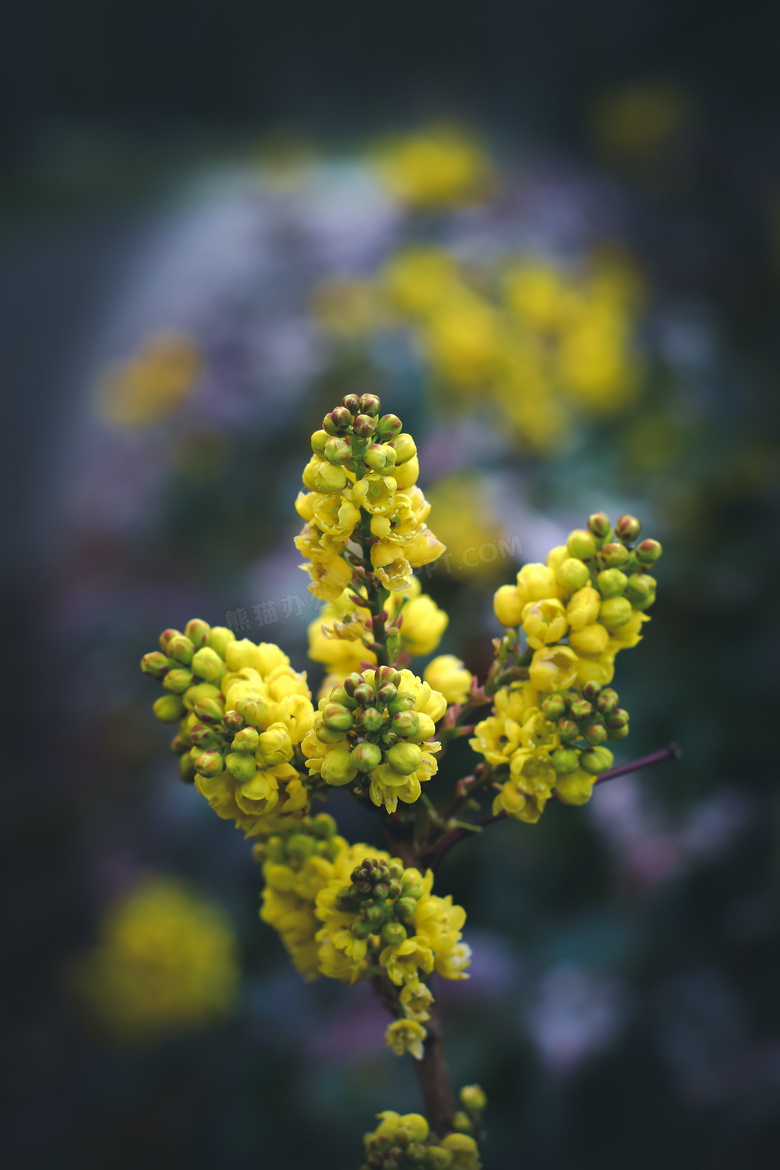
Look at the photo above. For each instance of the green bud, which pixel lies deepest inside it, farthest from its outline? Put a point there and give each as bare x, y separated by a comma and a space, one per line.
336, 717
388, 427
591, 691
614, 555
360, 928
326, 735
329, 478
581, 709
617, 733
416, 1153
207, 664
611, 582
617, 718
405, 448
200, 691
186, 769
385, 675
198, 632
461, 1122
573, 574
395, 870
564, 761
179, 745
318, 441
209, 764
240, 765
643, 605
252, 710
599, 525
233, 721
340, 695
596, 760
208, 711
338, 767
439, 1158
246, 740
165, 638
380, 457
300, 846
342, 417
203, 736
393, 934
351, 402
156, 664
364, 695
405, 723
178, 681
387, 693
181, 648
369, 720
375, 915
404, 758
364, 426
403, 701
568, 730
640, 586
553, 707
324, 826
595, 734
366, 757
406, 907
168, 708
369, 404
473, 1099
581, 545
220, 638
627, 529
338, 451
352, 681
615, 612
607, 701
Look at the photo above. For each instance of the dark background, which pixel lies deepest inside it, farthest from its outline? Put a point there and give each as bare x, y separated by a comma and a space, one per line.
107, 108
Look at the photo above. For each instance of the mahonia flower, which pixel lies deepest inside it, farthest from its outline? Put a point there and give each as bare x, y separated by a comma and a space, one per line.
439, 167
405, 1140
546, 735
166, 962
406, 1036
242, 712
149, 387
377, 730
447, 675
362, 476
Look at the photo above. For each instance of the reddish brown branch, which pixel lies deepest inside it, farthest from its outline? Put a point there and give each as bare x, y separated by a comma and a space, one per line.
434, 1079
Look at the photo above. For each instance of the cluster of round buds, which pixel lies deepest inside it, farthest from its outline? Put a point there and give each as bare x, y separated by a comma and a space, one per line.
382, 897
379, 722
294, 843
354, 438
190, 666
468, 1118
405, 1141
585, 721
612, 561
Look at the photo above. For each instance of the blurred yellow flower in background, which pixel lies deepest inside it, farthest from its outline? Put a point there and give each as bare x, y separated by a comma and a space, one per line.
468, 526
439, 167
148, 388
166, 962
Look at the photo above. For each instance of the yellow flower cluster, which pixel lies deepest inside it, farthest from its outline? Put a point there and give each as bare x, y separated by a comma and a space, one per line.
440, 167
362, 476
376, 729
556, 710
338, 637
350, 911
166, 962
405, 1140
242, 712
150, 386
539, 342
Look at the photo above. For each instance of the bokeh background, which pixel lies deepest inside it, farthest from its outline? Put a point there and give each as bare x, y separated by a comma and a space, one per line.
214, 221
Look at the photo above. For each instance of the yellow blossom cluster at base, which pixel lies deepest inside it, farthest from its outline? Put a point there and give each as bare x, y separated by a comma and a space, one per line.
405, 1140
166, 962
575, 613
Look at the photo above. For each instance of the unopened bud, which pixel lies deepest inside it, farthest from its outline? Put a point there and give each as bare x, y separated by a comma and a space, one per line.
351, 681
564, 760
640, 587
581, 709
596, 760
246, 740
616, 718
168, 708
615, 612
156, 664
203, 736
339, 695
351, 402
607, 701
387, 674
581, 544
617, 733
404, 758
209, 764
599, 525
252, 709
233, 721
198, 632
299, 846
627, 528
387, 693
181, 648
329, 478
338, 767
404, 447
568, 730
165, 638
473, 1099
318, 441
208, 711
220, 638
611, 582
462, 1123
338, 451
388, 427
406, 907
403, 701
369, 720
380, 457
591, 691
369, 404
336, 717
595, 734
553, 707
364, 426
573, 574
364, 694
207, 664
186, 769
240, 765
614, 555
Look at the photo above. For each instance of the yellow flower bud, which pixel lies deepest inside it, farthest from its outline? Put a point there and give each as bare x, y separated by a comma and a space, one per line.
406, 474
168, 708
573, 574
590, 640
329, 478
338, 767
404, 758
450, 677
219, 639
583, 609
508, 606
615, 612
556, 556
574, 788
207, 664
536, 583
